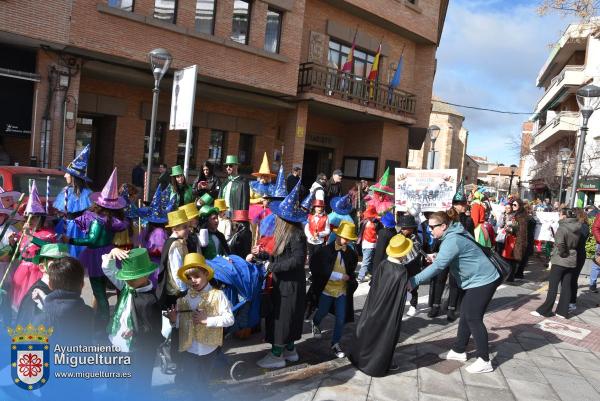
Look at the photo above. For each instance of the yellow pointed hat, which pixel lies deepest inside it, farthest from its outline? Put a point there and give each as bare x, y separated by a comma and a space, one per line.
264, 168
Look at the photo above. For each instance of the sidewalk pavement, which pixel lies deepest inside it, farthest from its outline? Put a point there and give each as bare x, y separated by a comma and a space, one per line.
534, 359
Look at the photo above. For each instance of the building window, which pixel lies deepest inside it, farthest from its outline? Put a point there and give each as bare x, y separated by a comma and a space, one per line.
241, 21
165, 10
246, 149
363, 61
181, 148
273, 32
360, 167
205, 16
125, 5
216, 148
159, 135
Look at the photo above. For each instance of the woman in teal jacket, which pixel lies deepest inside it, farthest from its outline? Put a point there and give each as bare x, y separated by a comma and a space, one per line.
475, 274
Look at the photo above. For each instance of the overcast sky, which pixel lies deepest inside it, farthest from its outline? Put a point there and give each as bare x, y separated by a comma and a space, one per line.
490, 55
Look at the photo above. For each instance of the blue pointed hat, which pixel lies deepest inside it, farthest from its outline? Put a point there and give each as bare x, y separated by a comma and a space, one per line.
78, 167
279, 190
388, 220
460, 196
341, 204
289, 208
307, 202
162, 203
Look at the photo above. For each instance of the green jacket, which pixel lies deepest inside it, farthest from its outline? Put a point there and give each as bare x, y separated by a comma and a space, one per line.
184, 196
97, 236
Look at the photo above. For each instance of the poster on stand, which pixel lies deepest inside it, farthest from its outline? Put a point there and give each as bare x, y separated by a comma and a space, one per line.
426, 190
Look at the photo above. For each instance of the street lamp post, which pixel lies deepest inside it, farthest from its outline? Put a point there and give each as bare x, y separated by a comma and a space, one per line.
513, 168
433, 132
564, 154
588, 99
160, 60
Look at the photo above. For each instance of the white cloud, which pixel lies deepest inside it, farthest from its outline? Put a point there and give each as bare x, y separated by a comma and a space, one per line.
489, 56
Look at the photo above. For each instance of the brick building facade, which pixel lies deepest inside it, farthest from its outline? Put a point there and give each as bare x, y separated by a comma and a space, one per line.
275, 83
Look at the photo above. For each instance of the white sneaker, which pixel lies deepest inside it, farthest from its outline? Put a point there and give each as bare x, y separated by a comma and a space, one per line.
572, 307
412, 311
535, 313
337, 350
455, 356
271, 361
291, 356
480, 366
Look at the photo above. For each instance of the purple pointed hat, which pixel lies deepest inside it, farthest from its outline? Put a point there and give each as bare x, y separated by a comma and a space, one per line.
34, 205
109, 197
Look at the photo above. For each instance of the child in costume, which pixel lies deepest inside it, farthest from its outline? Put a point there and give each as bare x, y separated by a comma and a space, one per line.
74, 199
240, 243
170, 287
481, 232
136, 324
125, 239
224, 226
333, 284
260, 188
100, 223
382, 195
413, 260
183, 191
32, 305
341, 207
199, 317
211, 241
368, 238
317, 228
37, 233
193, 216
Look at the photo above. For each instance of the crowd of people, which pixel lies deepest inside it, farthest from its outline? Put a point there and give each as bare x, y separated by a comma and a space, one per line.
214, 258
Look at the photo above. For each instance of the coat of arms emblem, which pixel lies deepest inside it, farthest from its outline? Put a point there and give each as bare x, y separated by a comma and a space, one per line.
30, 360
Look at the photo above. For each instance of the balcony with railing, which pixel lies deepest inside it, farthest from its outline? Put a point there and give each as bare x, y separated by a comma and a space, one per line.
567, 81
563, 124
331, 82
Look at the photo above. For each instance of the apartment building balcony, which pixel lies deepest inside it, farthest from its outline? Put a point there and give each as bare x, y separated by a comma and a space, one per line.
567, 82
354, 92
562, 125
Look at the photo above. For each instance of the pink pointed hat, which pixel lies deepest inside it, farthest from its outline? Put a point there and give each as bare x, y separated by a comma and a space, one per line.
34, 205
109, 197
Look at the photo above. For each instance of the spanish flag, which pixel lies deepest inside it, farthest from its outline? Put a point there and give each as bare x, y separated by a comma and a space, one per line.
347, 67
374, 72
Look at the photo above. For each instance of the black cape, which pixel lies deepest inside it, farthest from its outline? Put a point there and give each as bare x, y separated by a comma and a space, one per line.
384, 235
378, 328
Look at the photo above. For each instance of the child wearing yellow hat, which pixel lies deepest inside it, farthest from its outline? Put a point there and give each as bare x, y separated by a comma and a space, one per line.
199, 317
170, 287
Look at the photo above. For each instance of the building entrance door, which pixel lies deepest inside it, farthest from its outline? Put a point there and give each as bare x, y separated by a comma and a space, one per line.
316, 160
98, 131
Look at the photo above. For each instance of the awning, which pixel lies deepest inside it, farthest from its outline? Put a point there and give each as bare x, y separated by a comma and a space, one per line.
589, 186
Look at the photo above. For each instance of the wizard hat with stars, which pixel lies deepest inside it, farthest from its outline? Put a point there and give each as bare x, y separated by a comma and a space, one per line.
382, 185
109, 197
279, 190
306, 204
289, 208
460, 196
341, 204
78, 167
34, 205
162, 203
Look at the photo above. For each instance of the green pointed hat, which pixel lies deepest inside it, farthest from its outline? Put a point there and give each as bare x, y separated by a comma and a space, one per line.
460, 196
382, 185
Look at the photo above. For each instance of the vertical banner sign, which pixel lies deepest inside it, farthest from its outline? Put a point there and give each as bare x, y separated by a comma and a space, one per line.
182, 106
427, 190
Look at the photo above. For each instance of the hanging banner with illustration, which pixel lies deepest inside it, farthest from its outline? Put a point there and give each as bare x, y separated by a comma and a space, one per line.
547, 224
425, 190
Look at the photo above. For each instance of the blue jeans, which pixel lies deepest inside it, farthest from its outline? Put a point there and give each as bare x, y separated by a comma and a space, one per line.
367, 262
595, 272
325, 302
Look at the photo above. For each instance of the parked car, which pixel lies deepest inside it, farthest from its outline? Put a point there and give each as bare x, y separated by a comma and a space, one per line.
16, 178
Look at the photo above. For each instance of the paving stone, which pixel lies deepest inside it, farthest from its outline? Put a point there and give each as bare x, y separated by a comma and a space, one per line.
432, 397
572, 388
532, 391
584, 360
393, 388
510, 350
565, 345
290, 395
592, 377
332, 389
351, 374
559, 365
531, 335
407, 366
442, 384
493, 379
540, 348
521, 370
487, 393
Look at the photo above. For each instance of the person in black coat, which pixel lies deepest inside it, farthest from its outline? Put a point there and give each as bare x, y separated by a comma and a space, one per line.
207, 182
333, 284
333, 188
581, 256
286, 304
384, 235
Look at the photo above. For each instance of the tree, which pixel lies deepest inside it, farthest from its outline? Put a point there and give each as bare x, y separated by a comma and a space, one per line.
584, 9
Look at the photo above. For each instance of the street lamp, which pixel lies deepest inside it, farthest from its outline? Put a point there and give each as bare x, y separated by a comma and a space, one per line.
588, 99
513, 168
433, 131
160, 60
563, 154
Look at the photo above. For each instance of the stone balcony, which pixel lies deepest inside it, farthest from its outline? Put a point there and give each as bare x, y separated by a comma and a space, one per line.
570, 79
562, 125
